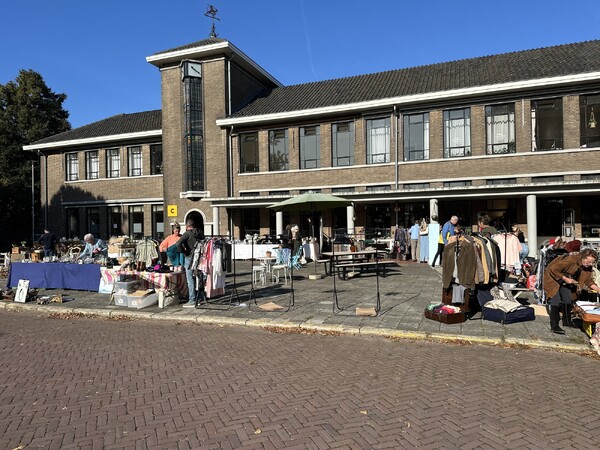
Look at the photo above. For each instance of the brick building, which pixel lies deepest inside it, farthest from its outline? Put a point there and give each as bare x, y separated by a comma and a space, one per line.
515, 135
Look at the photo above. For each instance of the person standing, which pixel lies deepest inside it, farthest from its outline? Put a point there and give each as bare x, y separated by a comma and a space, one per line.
447, 230
414, 232
186, 244
424, 241
49, 241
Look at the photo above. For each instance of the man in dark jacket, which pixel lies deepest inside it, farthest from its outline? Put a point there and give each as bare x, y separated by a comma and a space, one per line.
49, 241
185, 245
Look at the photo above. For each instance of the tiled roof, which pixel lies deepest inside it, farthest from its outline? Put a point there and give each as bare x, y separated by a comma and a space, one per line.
115, 125
467, 73
202, 43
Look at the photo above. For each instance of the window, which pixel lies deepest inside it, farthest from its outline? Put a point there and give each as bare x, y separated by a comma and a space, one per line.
342, 190
495, 181
589, 126
279, 192
411, 186
549, 179
546, 124
114, 221
72, 222
93, 221
249, 152
416, 137
310, 147
92, 165
457, 133
113, 163
136, 222
500, 129
156, 159
193, 130
457, 183
278, 150
384, 187
249, 194
308, 191
378, 141
590, 176
72, 166
134, 159
158, 222
343, 144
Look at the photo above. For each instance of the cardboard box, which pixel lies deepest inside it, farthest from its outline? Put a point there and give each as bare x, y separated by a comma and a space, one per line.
142, 299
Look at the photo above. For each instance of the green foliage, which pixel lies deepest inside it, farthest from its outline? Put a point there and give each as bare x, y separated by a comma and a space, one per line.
29, 111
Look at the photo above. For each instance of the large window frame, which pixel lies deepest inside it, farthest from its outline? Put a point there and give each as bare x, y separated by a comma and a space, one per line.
158, 222
378, 140
115, 221
457, 133
248, 145
310, 147
92, 165
71, 166
342, 145
279, 152
113, 163
416, 137
500, 129
589, 120
136, 221
134, 161
547, 124
92, 218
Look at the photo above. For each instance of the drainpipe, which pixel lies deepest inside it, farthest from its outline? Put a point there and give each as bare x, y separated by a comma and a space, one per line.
396, 147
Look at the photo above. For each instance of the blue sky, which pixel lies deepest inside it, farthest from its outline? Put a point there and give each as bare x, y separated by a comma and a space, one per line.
95, 51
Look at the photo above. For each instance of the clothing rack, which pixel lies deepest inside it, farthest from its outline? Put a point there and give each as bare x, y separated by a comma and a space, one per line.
202, 301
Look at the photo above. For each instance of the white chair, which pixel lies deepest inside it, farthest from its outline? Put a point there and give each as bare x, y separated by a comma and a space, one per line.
281, 264
259, 273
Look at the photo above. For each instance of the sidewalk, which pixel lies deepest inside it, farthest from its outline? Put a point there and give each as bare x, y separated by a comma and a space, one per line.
405, 292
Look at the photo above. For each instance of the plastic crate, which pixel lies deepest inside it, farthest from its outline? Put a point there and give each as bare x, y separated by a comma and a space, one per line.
120, 299
139, 302
127, 287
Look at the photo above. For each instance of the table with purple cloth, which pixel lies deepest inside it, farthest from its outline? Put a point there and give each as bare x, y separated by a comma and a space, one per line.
56, 275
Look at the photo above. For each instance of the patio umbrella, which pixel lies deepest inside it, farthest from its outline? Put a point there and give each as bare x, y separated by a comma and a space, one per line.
311, 201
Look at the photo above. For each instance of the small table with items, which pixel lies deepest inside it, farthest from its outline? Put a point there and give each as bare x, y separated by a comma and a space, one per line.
169, 284
589, 313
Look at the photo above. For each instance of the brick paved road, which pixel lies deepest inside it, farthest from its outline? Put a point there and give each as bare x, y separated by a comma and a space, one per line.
76, 382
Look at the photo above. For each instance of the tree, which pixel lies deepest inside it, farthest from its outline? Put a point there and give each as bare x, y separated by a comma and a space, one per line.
29, 111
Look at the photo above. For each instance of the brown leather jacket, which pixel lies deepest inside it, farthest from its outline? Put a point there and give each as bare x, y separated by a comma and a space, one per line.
569, 265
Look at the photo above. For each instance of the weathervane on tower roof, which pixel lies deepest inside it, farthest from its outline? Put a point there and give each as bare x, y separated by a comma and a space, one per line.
212, 13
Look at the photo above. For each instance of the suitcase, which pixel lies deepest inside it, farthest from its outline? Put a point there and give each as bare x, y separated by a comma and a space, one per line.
523, 314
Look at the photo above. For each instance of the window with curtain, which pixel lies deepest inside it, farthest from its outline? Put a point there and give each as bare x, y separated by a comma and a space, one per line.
113, 163
248, 152
92, 165
500, 129
278, 150
158, 222
589, 120
343, 144
457, 133
72, 166
134, 159
378, 140
546, 124
416, 137
310, 147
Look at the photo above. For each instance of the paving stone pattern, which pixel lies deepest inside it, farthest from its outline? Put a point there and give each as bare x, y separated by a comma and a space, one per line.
71, 382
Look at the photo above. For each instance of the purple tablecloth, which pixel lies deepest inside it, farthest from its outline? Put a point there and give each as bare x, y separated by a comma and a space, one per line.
55, 275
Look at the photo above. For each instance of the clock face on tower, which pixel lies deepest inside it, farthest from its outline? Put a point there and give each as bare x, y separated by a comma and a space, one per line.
192, 69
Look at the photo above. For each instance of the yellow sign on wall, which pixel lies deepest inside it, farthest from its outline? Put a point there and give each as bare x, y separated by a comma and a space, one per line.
172, 210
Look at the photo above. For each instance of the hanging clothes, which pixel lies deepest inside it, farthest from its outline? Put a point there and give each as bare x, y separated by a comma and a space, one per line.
510, 250
146, 252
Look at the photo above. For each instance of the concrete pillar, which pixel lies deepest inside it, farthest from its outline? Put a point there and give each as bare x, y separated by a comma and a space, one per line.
433, 211
279, 223
532, 234
216, 220
350, 219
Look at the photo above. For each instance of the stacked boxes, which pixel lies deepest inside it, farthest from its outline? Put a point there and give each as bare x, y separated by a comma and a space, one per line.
123, 289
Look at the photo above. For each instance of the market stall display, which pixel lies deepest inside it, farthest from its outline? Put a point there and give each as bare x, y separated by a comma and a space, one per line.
56, 275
